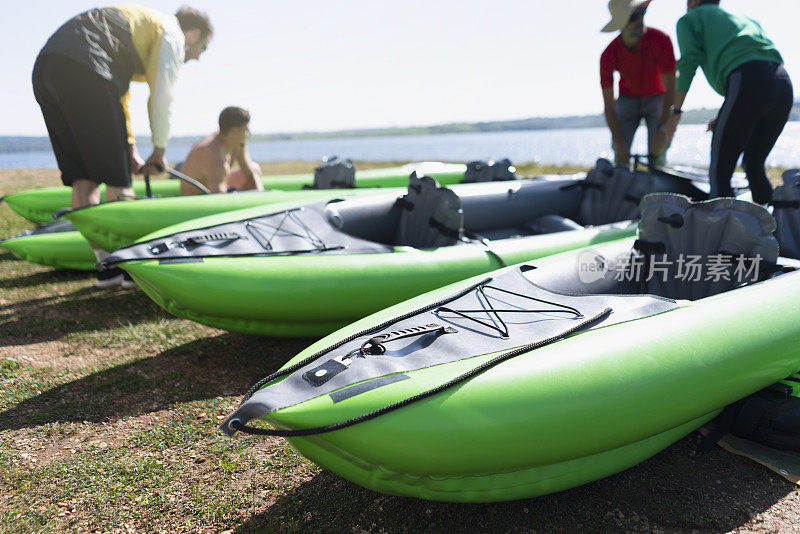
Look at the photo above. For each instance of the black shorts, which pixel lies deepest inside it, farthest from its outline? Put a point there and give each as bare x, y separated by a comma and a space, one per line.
85, 121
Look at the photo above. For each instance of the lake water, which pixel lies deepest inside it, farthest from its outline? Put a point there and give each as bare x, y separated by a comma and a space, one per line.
691, 146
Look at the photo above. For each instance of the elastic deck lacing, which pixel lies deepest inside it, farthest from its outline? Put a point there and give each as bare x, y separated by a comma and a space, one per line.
494, 312
257, 228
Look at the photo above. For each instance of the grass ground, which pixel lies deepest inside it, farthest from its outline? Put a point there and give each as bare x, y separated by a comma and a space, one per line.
108, 416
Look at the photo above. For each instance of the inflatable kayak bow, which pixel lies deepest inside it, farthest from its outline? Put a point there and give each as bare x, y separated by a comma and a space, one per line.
547, 375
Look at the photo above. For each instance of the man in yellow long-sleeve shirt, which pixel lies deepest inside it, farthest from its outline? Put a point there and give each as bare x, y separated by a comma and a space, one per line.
81, 80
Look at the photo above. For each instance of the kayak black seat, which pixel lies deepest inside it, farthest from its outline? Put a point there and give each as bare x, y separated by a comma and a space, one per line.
491, 171
612, 194
334, 173
691, 250
609, 195
786, 210
430, 216
685, 250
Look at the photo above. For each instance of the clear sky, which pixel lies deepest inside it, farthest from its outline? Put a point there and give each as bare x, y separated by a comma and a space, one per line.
318, 65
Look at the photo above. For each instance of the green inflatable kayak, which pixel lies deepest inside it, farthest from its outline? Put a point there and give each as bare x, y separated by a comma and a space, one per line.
546, 375
110, 225
307, 269
39, 205
58, 245
114, 224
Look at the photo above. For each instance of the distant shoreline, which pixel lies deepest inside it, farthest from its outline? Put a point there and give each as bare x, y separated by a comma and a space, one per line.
12, 144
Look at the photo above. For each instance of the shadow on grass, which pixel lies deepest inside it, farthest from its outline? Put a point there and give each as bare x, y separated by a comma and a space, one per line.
227, 364
223, 365
673, 491
51, 275
85, 310
47, 277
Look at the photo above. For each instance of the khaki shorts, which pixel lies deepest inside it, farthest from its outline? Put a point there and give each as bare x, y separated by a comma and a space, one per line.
630, 112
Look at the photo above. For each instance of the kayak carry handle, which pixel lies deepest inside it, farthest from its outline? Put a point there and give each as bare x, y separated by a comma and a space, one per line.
374, 345
194, 241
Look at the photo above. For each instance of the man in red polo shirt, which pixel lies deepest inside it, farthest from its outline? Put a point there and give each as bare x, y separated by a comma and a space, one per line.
645, 61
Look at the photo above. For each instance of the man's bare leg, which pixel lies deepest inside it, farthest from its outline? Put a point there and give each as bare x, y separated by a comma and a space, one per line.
114, 193
85, 193
239, 180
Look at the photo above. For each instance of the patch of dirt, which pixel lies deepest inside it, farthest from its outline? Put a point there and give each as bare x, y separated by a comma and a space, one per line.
35, 451
56, 354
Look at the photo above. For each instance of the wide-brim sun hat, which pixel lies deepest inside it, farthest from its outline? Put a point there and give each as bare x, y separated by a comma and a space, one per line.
621, 11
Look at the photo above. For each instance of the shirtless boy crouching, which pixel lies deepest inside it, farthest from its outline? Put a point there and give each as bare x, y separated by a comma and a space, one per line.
210, 160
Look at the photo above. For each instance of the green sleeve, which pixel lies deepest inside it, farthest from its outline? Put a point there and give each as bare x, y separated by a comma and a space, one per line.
692, 54
756, 24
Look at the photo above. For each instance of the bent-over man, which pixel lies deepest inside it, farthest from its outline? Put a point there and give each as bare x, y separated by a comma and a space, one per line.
80, 80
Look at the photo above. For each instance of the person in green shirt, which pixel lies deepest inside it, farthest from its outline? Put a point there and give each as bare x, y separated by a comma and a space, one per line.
743, 65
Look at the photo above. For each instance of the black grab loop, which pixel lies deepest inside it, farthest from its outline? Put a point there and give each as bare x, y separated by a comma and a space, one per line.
404, 203
649, 247
444, 230
675, 220
375, 345
237, 425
